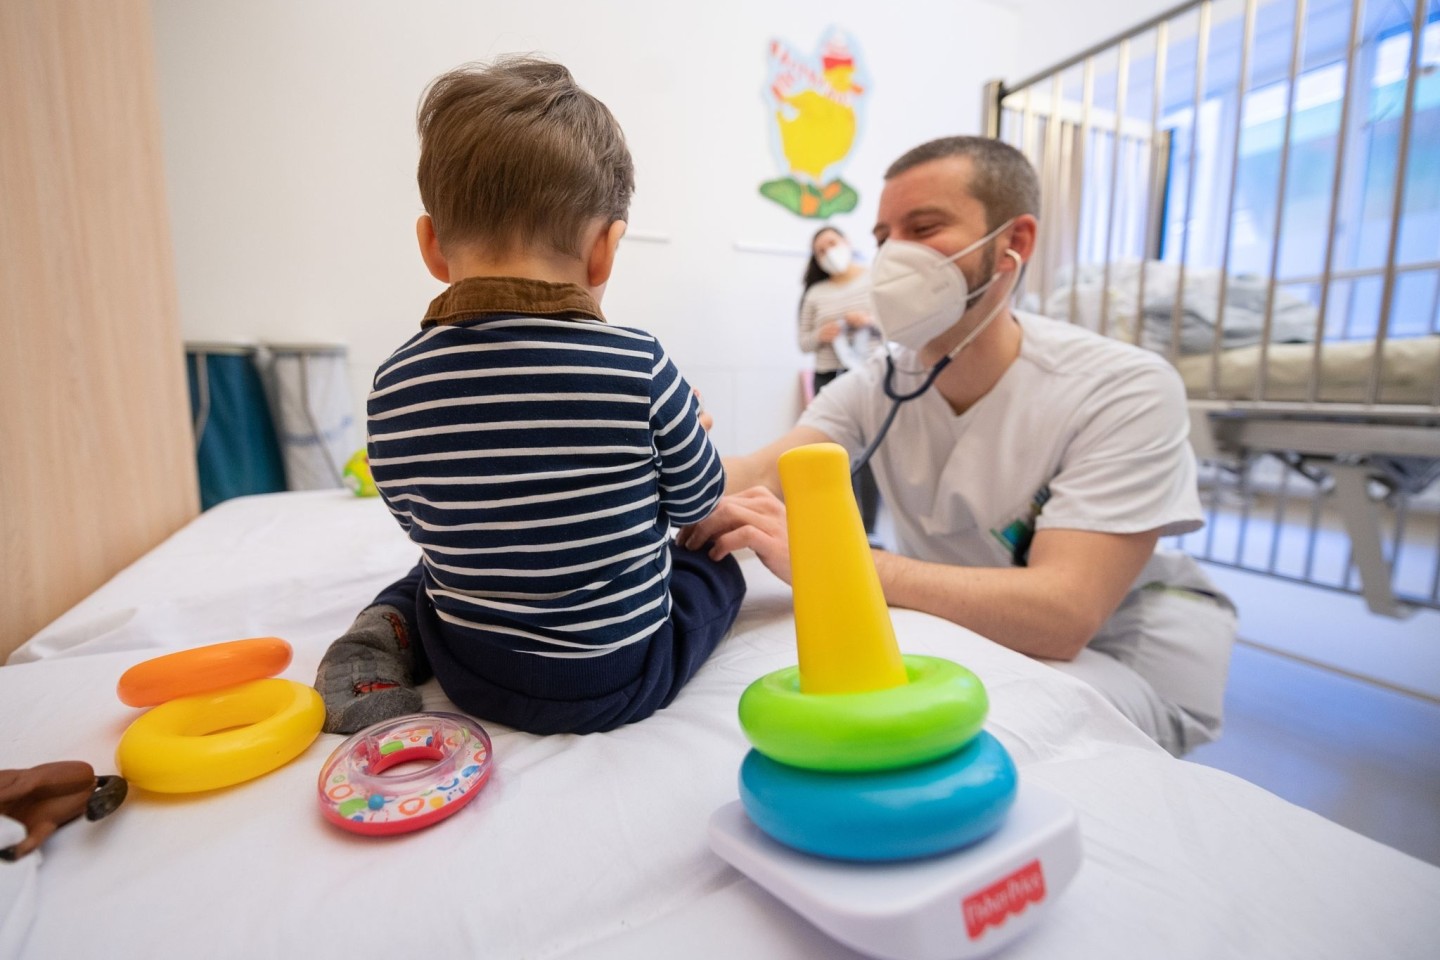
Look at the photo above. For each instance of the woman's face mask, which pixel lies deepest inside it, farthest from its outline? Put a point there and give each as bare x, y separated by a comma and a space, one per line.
919, 293
836, 260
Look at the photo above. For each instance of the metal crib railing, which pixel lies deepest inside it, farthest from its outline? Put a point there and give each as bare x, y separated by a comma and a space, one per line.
1138, 143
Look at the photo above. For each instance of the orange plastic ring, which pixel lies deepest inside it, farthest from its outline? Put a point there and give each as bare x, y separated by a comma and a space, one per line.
202, 670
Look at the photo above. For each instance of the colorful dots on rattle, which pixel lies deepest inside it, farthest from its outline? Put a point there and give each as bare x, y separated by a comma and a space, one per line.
404, 774
860, 753
221, 717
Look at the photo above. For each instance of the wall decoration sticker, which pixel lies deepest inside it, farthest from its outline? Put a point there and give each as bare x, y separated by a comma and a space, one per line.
816, 106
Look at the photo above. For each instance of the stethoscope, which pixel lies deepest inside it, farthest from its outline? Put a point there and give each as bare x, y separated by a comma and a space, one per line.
899, 399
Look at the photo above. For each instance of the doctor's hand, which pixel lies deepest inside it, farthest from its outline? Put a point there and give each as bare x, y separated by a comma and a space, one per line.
753, 518
829, 332
857, 320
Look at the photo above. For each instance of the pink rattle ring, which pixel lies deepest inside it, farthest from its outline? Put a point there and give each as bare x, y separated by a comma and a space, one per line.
357, 793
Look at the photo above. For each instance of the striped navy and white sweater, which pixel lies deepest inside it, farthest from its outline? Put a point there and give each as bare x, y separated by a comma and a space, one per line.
538, 457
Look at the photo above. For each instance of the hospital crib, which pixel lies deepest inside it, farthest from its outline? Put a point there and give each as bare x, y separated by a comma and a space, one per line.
1252, 189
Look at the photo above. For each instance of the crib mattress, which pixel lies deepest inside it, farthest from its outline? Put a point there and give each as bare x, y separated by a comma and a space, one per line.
1410, 370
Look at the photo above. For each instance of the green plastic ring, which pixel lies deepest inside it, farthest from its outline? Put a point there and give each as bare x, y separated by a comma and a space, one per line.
940, 710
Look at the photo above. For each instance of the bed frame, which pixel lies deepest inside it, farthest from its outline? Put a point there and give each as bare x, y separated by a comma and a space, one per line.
1341, 494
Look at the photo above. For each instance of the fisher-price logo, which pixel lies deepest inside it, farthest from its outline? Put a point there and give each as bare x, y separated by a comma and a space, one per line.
1009, 895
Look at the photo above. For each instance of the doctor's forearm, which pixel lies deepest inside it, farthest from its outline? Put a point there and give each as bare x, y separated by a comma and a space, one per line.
1026, 610
744, 472
761, 468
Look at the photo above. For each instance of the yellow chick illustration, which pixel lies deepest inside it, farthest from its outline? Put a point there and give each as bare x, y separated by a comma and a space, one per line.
819, 132
838, 65
815, 106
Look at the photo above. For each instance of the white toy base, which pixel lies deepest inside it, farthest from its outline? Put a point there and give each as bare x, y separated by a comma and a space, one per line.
969, 903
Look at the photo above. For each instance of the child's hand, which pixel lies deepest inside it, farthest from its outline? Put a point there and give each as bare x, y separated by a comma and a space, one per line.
706, 420
830, 331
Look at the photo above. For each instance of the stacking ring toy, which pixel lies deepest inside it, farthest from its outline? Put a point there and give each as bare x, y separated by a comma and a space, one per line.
357, 793
201, 670
218, 739
937, 712
919, 811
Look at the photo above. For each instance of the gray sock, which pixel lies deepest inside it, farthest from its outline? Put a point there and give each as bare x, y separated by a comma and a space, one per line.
368, 674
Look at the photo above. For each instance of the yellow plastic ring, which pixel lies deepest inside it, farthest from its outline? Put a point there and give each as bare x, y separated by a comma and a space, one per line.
218, 739
940, 710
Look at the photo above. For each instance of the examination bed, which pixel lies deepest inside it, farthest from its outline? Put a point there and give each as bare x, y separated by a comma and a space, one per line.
595, 846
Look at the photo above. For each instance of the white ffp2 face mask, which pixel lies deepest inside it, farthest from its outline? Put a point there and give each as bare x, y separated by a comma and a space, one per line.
836, 260
919, 293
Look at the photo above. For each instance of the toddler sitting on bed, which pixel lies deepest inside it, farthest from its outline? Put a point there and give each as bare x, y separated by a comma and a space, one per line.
536, 454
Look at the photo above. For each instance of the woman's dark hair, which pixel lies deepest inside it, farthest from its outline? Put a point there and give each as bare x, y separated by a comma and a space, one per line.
814, 273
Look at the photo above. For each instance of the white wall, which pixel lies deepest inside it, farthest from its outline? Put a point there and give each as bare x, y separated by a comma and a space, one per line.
1054, 30
290, 152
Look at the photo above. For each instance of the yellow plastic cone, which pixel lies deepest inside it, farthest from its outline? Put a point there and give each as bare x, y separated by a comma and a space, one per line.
842, 624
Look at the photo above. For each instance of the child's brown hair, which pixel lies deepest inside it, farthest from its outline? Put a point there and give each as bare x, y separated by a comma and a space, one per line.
515, 155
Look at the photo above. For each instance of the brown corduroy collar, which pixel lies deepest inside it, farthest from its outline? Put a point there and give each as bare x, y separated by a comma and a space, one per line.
477, 297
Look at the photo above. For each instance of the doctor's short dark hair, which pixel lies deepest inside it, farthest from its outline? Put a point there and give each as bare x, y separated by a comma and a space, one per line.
515, 155
1000, 178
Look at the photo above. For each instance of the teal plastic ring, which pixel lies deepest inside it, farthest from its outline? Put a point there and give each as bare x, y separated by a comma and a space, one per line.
939, 711
887, 815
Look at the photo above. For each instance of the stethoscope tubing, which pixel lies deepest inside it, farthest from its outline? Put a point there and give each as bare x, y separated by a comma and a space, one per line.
899, 399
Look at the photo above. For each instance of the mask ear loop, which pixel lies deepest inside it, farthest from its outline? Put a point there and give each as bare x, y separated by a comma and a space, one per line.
995, 312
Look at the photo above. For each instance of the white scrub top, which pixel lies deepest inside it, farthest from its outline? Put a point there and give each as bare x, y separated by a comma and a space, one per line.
1080, 433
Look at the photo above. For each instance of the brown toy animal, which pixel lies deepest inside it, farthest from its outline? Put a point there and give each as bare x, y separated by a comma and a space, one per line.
45, 798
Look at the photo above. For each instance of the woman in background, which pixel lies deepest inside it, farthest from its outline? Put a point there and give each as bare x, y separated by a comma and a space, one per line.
836, 326
835, 304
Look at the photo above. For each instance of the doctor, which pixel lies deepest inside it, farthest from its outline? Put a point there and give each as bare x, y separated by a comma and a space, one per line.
1032, 480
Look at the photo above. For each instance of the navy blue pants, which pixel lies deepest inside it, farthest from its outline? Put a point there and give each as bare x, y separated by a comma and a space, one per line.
705, 598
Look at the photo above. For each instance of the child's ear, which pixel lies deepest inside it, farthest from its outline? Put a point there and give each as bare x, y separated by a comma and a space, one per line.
601, 261
430, 249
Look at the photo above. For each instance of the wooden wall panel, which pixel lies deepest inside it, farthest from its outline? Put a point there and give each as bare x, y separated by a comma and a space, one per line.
96, 457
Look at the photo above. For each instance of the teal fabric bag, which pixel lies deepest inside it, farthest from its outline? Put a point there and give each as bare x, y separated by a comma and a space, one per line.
235, 444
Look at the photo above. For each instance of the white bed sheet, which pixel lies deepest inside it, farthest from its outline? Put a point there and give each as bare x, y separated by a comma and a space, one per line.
594, 847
